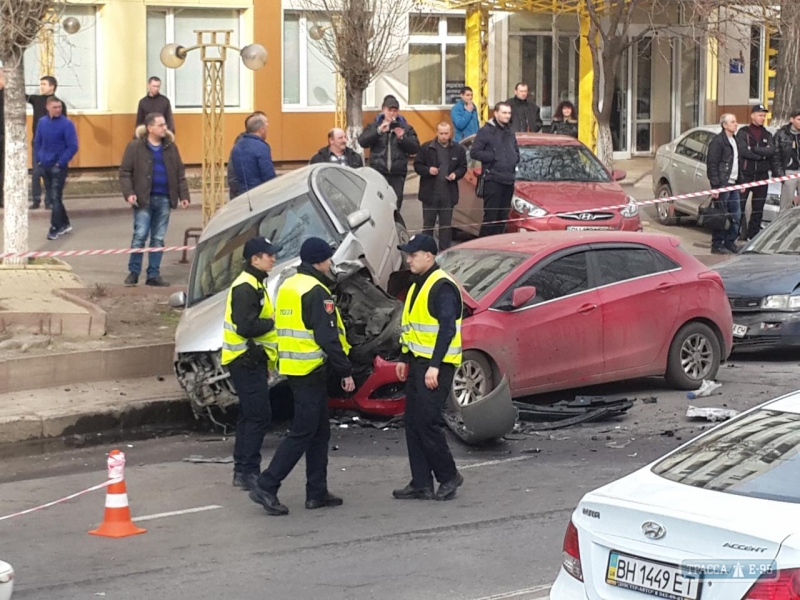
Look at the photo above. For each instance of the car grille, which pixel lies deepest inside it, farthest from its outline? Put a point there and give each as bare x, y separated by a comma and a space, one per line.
761, 341
588, 216
744, 303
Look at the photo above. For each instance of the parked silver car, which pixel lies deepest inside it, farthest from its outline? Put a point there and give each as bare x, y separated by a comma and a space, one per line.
680, 168
355, 210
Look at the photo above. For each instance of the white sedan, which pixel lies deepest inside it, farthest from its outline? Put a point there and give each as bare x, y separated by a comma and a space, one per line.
716, 519
6, 581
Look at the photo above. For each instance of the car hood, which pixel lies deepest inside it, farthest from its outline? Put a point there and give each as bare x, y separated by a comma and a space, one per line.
760, 274
571, 195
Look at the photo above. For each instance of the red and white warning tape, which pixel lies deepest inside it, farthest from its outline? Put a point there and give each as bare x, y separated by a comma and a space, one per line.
730, 188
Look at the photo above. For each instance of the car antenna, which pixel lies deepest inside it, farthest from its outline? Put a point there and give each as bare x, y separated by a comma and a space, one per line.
247, 193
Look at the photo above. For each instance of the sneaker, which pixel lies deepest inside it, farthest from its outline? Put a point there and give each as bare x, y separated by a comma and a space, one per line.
52, 234
157, 282
66, 229
132, 279
719, 250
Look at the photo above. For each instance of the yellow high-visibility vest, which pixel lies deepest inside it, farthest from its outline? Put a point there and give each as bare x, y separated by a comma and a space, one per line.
233, 344
298, 351
420, 328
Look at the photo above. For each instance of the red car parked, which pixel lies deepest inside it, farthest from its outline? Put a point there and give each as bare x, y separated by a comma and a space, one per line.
556, 174
558, 310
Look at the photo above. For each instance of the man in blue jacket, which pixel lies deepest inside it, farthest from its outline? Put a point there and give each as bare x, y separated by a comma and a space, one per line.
251, 155
464, 115
55, 144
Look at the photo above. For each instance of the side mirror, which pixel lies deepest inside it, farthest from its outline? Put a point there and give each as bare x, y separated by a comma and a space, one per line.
177, 300
358, 218
618, 174
478, 171
522, 295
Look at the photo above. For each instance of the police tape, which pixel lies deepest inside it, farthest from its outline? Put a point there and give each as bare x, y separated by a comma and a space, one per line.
116, 466
115, 251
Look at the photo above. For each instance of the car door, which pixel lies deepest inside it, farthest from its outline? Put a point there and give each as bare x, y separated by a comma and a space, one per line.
692, 154
468, 213
639, 299
558, 335
683, 164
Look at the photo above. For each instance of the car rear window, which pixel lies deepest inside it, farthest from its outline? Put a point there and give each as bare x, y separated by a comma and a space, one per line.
479, 271
755, 455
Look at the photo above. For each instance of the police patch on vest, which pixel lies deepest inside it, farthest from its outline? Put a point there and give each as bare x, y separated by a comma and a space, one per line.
328, 306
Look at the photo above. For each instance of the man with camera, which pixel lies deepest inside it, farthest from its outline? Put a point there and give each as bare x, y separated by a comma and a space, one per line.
391, 141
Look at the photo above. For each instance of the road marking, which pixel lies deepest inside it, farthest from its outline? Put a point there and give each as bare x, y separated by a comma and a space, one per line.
519, 593
176, 513
499, 461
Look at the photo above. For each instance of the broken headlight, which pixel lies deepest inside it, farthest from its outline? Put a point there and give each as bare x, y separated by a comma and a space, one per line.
631, 210
527, 208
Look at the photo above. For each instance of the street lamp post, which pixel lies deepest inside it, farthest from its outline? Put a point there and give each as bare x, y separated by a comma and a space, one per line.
213, 45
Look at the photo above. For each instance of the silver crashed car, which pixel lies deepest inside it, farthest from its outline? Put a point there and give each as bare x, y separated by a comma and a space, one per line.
680, 168
353, 209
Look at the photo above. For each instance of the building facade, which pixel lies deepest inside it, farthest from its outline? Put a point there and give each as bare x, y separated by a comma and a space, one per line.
666, 84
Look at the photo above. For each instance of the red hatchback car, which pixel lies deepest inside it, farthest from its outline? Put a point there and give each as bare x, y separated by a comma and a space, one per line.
558, 310
556, 174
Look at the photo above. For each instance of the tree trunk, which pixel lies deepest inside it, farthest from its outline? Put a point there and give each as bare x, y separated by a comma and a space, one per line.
355, 116
787, 81
15, 222
607, 66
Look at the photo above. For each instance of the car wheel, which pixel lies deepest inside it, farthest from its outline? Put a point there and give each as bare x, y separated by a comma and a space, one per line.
473, 380
694, 355
666, 210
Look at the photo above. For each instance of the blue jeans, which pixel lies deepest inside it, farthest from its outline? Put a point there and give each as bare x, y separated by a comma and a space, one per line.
732, 203
54, 180
152, 221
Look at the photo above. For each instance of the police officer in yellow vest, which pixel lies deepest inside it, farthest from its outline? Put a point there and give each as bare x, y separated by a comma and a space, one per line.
311, 344
249, 346
431, 343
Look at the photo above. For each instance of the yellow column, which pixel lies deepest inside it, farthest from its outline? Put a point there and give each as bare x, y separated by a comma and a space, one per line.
477, 57
770, 62
587, 123
124, 50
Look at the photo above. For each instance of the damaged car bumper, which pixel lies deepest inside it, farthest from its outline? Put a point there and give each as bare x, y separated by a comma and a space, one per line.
757, 330
485, 420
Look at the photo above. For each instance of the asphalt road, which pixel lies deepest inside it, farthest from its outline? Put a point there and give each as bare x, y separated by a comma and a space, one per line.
502, 534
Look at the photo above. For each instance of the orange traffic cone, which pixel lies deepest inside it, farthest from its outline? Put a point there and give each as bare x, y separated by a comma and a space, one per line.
117, 520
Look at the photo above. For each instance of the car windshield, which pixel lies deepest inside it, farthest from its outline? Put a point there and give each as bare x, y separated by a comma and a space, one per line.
560, 163
218, 260
478, 271
783, 237
755, 455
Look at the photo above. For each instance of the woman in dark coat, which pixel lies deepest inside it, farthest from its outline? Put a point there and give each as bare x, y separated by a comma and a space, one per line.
565, 121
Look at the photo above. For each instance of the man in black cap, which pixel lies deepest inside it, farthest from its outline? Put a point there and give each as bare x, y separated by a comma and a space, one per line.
311, 341
431, 343
757, 157
249, 349
391, 141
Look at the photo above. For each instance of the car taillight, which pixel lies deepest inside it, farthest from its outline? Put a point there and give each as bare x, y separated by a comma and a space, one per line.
786, 586
571, 556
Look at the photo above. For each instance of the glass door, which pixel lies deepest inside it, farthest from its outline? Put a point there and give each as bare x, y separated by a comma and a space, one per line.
620, 109
643, 97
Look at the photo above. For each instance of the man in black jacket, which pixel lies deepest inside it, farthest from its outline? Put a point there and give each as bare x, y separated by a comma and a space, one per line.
440, 164
757, 157
525, 114
496, 148
391, 141
787, 147
155, 102
722, 168
337, 152
47, 88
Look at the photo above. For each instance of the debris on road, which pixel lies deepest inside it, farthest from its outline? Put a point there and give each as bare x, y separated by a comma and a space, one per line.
706, 389
196, 458
583, 409
650, 400
711, 414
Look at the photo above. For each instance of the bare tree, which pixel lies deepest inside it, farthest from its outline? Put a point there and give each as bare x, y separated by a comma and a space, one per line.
20, 22
361, 39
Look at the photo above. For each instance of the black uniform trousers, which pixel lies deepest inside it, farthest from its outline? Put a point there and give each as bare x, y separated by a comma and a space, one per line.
496, 204
398, 184
309, 434
251, 383
442, 209
752, 226
428, 451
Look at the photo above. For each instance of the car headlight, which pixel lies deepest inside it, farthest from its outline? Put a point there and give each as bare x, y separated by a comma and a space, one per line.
782, 302
631, 210
525, 207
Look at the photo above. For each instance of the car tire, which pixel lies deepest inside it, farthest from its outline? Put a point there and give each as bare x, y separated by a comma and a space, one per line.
694, 355
473, 380
402, 232
666, 210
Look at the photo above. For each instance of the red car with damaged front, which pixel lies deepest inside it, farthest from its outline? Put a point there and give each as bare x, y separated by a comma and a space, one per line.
561, 185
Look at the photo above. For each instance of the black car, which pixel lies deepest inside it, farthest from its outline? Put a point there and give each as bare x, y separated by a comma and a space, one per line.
763, 287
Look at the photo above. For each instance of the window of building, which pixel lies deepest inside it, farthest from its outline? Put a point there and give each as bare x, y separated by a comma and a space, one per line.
309, 77
436, 61
184, 86
756, 62
75, 59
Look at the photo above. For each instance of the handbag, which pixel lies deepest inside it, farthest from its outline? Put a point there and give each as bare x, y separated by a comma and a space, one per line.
714, 217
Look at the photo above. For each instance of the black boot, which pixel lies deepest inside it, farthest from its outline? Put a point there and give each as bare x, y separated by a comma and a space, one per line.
269, 501
447, 490
412, 493
246, 481
327, 500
